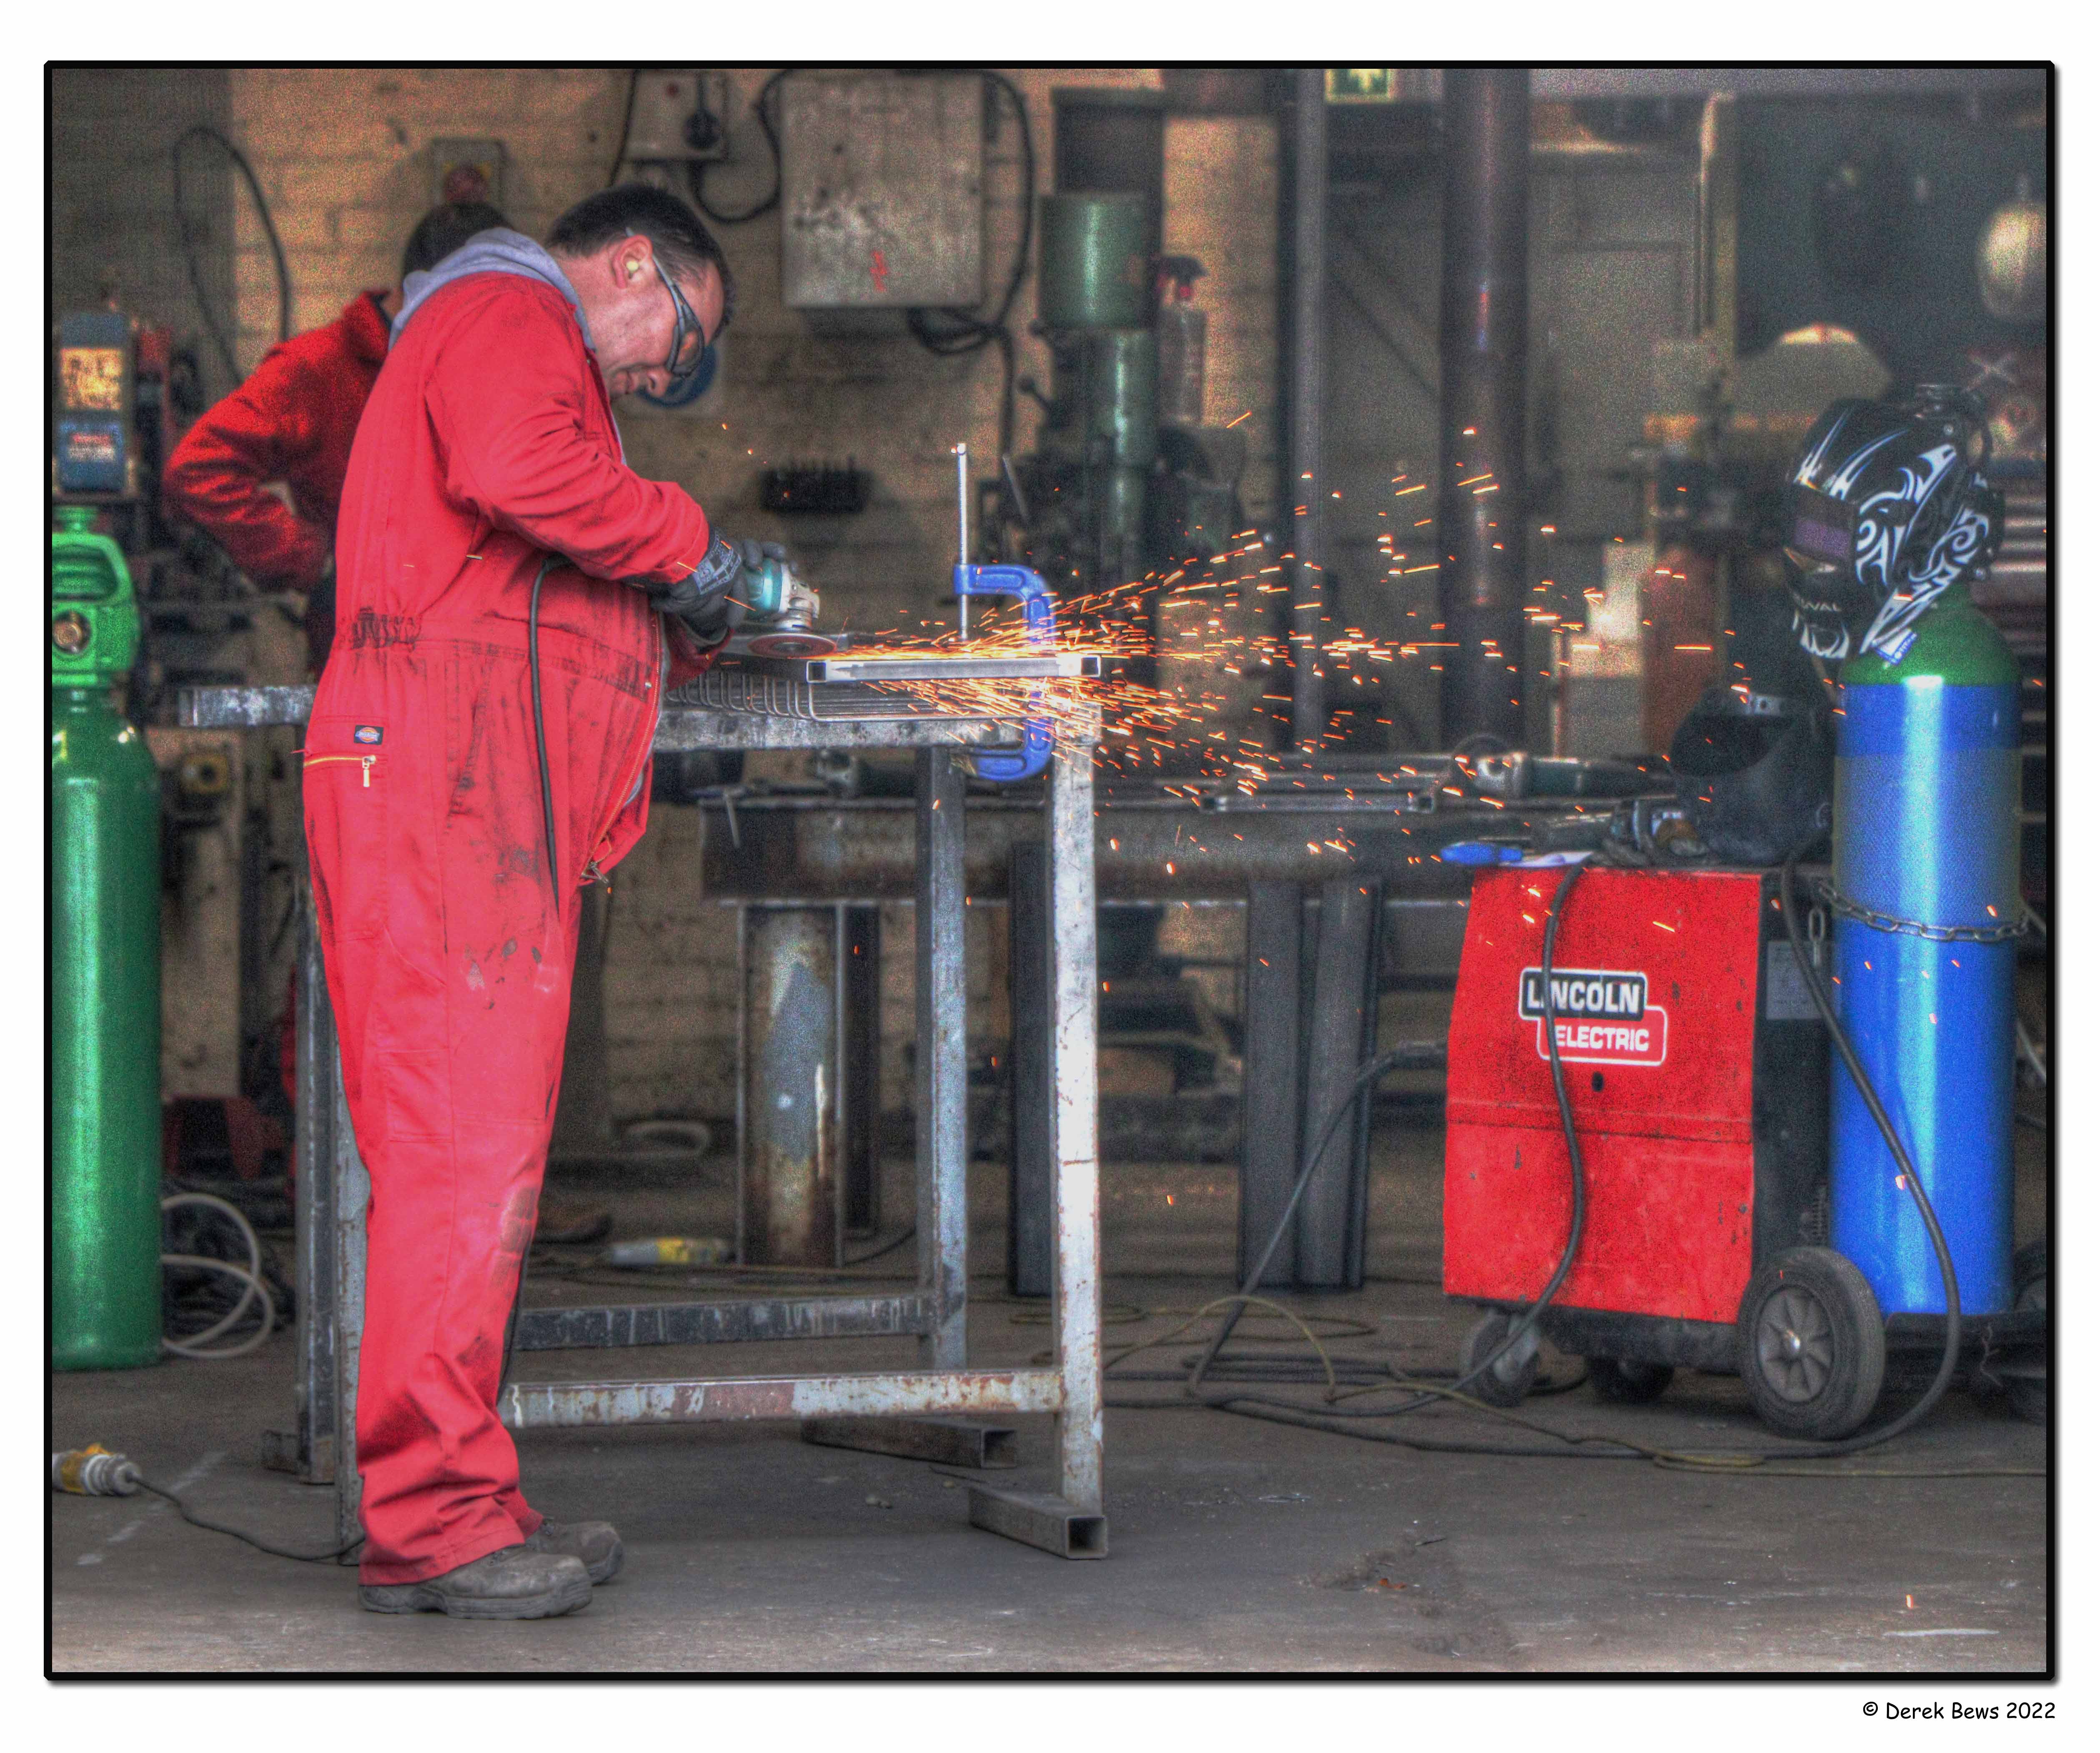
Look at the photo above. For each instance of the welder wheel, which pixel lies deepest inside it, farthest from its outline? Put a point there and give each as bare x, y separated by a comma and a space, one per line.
1810, 1343
2028, 1395
1510, 1380
1618, 1382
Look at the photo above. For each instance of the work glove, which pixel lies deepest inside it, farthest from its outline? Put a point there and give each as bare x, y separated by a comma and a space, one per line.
705, 599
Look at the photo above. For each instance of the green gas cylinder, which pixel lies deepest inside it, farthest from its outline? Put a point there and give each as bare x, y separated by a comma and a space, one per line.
105, 961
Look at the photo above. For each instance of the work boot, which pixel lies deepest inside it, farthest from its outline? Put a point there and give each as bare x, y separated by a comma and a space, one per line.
516, 1582
593, 1544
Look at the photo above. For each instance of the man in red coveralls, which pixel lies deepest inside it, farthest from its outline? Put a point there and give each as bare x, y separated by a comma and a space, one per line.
292, 420
458, 797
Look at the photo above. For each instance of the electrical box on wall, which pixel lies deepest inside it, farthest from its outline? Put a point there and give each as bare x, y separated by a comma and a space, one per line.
679, 113
882, 190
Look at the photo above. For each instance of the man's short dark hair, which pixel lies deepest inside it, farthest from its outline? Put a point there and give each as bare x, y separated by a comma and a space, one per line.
682, 242
444, 229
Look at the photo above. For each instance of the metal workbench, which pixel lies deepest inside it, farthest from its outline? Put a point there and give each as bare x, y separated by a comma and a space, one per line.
333, 1189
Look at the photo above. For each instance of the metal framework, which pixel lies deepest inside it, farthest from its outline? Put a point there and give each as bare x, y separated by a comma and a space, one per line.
333, 1188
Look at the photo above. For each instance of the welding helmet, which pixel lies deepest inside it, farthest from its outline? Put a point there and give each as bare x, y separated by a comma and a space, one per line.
1753, 773
1886, 508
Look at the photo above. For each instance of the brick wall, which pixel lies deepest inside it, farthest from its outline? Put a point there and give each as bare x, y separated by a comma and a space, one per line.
344, 157
112, 196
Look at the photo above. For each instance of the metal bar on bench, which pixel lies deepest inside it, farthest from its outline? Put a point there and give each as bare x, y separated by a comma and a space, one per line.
540, 1405
953, 1440
1076, 1306
847, 668
720, 1323
944, 1066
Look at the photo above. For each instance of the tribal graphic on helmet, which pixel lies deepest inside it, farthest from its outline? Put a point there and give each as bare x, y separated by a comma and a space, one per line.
1884, 514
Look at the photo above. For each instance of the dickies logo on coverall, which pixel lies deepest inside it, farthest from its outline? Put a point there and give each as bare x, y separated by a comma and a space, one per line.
368, 733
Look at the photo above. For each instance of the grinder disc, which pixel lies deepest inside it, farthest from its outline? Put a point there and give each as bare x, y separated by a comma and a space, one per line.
798, 643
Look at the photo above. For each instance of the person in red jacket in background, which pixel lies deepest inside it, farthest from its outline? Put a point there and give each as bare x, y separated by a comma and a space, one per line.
292, 420
512, 603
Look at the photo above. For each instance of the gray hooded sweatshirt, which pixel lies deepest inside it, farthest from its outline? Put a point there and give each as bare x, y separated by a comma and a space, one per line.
496, 251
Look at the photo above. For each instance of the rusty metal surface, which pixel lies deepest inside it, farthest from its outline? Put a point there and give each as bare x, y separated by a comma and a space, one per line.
1040, 1519
954, 1442
540, 1405
788, 1101
719, 1323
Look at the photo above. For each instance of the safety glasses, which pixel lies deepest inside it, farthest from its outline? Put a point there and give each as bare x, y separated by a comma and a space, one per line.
686, 328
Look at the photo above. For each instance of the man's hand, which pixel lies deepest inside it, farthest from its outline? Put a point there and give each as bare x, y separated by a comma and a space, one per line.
708, 599
704, 599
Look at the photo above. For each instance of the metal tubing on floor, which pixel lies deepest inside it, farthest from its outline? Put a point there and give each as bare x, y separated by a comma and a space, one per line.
720, 1323
942, 1069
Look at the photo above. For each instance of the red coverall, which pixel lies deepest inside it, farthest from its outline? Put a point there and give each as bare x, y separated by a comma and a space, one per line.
488, 445
292, 420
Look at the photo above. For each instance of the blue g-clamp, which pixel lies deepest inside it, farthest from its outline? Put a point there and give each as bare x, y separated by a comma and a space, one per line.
1039, 613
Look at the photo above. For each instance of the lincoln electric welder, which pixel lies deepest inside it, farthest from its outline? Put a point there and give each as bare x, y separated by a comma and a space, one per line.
1771, 1147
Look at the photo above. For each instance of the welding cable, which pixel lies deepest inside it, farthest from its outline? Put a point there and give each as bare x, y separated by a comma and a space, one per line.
189, 234
1818, 984
1367, 1075
539, 725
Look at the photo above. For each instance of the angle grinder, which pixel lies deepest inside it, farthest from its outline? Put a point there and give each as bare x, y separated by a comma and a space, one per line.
779, 611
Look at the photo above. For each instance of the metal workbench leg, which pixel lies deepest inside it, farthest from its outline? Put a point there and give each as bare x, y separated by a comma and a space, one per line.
1330, 1220
1031, 1182
308, 1448
1069, 1524
1270, 1104
353, 1192
942, 1062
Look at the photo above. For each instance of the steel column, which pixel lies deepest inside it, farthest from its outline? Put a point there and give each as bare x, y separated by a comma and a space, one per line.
1031, 1178
1483, 316
1076, 1307
1306, 491
860, 1067
787, 1212
1271, 1108
1344, 1021
943, 1063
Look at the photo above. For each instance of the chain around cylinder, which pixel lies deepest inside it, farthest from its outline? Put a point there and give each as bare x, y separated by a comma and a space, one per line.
1917, 928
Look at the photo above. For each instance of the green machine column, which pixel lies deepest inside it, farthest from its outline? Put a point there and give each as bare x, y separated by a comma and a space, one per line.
104, 885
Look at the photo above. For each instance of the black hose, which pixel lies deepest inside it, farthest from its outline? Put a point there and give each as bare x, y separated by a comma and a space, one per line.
539, 728
696, 170
185, 232
1818, 984
260, 1544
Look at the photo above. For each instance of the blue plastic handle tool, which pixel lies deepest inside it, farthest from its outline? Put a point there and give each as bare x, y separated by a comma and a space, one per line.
1039, 611
1480, 852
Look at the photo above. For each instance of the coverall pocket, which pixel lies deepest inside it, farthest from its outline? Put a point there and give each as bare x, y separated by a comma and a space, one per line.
343, 785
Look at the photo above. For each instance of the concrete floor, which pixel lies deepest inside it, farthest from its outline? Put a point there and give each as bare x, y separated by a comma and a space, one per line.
1235, 1545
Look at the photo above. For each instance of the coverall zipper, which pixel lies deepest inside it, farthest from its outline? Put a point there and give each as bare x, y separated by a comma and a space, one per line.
315, 760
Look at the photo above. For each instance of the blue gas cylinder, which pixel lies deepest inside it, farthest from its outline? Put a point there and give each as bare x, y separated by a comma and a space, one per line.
1926, 834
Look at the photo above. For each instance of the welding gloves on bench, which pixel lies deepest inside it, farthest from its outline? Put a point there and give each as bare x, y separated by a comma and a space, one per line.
707, 598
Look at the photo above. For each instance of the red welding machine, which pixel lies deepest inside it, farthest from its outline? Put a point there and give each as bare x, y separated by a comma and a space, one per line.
1696, 1071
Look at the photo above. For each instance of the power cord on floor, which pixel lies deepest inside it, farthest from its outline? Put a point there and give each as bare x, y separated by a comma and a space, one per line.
251, 1278
94, 1471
